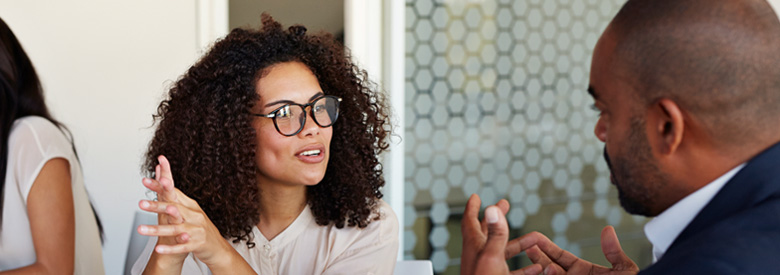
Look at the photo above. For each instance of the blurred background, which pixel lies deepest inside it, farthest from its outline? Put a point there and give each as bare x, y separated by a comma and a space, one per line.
488, 97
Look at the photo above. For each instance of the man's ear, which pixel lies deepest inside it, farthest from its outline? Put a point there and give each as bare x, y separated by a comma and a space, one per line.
668, 125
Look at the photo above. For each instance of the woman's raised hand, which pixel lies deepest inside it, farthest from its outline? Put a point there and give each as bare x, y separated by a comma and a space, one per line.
182, 227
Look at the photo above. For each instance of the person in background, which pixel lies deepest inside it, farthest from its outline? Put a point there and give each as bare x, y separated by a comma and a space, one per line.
689, 98
47, 224
272, 140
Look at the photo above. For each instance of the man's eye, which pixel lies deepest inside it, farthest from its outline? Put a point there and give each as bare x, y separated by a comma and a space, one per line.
595, 109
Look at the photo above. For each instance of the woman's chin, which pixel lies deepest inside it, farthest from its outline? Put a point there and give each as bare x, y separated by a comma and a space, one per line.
311, 180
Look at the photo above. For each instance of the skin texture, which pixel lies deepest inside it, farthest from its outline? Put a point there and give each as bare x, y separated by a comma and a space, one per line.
685, 89
50, 205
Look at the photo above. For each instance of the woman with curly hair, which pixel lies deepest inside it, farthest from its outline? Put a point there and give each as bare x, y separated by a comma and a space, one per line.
273, 140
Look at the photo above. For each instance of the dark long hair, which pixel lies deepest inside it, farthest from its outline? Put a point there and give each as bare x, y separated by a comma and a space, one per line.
20, 95
205, 129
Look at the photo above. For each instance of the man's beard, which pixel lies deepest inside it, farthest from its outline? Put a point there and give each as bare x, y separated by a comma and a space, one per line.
636, 174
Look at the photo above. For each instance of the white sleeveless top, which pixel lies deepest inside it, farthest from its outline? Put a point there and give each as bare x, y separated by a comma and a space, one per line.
305, 247
33, 142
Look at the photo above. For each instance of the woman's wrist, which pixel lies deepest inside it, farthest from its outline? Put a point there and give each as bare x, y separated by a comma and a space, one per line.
228, 261
165, 264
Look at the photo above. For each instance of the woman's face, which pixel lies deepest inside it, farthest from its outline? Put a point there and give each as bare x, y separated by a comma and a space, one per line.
300, 159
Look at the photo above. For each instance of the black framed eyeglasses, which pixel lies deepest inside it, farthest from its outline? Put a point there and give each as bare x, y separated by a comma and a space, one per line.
290, 118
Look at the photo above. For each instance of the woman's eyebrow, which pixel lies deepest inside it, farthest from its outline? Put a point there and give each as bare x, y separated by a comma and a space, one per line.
287, 101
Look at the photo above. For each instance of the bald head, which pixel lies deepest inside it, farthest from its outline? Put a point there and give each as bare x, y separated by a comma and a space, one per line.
718, 59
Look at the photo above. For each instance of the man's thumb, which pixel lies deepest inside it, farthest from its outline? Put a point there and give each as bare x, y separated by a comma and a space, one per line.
498, 231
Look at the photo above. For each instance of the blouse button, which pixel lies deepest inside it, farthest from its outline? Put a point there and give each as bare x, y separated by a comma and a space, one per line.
267, 247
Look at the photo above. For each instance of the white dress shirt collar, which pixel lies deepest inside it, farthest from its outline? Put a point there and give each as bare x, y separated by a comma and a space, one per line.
664, 229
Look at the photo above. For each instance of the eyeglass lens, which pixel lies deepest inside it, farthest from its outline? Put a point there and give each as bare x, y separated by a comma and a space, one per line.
291, 118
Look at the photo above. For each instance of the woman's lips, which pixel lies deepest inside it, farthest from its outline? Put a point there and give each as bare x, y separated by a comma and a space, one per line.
311, 154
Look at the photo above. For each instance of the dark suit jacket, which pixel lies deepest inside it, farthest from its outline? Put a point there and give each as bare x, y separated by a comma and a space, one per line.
738, 232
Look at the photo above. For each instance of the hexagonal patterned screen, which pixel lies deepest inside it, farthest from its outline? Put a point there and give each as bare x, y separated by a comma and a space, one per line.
496, 105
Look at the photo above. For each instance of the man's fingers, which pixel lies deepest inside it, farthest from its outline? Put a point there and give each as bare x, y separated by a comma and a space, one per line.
473, 237
470, 221
533, 269
610, 245
504, 206
554, 269
536, 256
498, 233
518, 245
562, 257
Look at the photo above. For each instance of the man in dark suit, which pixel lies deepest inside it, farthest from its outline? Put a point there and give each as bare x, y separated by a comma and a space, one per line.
689, 95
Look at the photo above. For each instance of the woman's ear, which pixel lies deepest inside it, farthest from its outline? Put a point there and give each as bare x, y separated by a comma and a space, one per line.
669, 125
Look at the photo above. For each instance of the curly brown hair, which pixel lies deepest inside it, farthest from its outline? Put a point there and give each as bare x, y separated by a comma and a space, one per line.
205, 129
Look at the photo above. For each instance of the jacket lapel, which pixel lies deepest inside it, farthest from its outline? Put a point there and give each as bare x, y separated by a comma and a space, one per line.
754, 184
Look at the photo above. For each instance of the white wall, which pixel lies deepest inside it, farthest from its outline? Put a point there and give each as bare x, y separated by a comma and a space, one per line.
104, 66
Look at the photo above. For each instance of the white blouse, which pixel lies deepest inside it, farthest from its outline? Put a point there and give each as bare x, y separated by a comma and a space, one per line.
305, 247
33, 141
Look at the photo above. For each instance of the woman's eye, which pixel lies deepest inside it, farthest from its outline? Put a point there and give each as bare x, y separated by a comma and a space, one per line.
319, 108
284, 112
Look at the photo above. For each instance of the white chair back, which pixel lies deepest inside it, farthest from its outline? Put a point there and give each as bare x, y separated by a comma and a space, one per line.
137, 241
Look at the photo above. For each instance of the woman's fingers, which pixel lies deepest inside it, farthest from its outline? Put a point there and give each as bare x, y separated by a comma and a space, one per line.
174, 215
182, 238
162, 184
175, 249
157, 171
165, 169
153, 185
164, 189
173, 212
168, 230
185, 200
